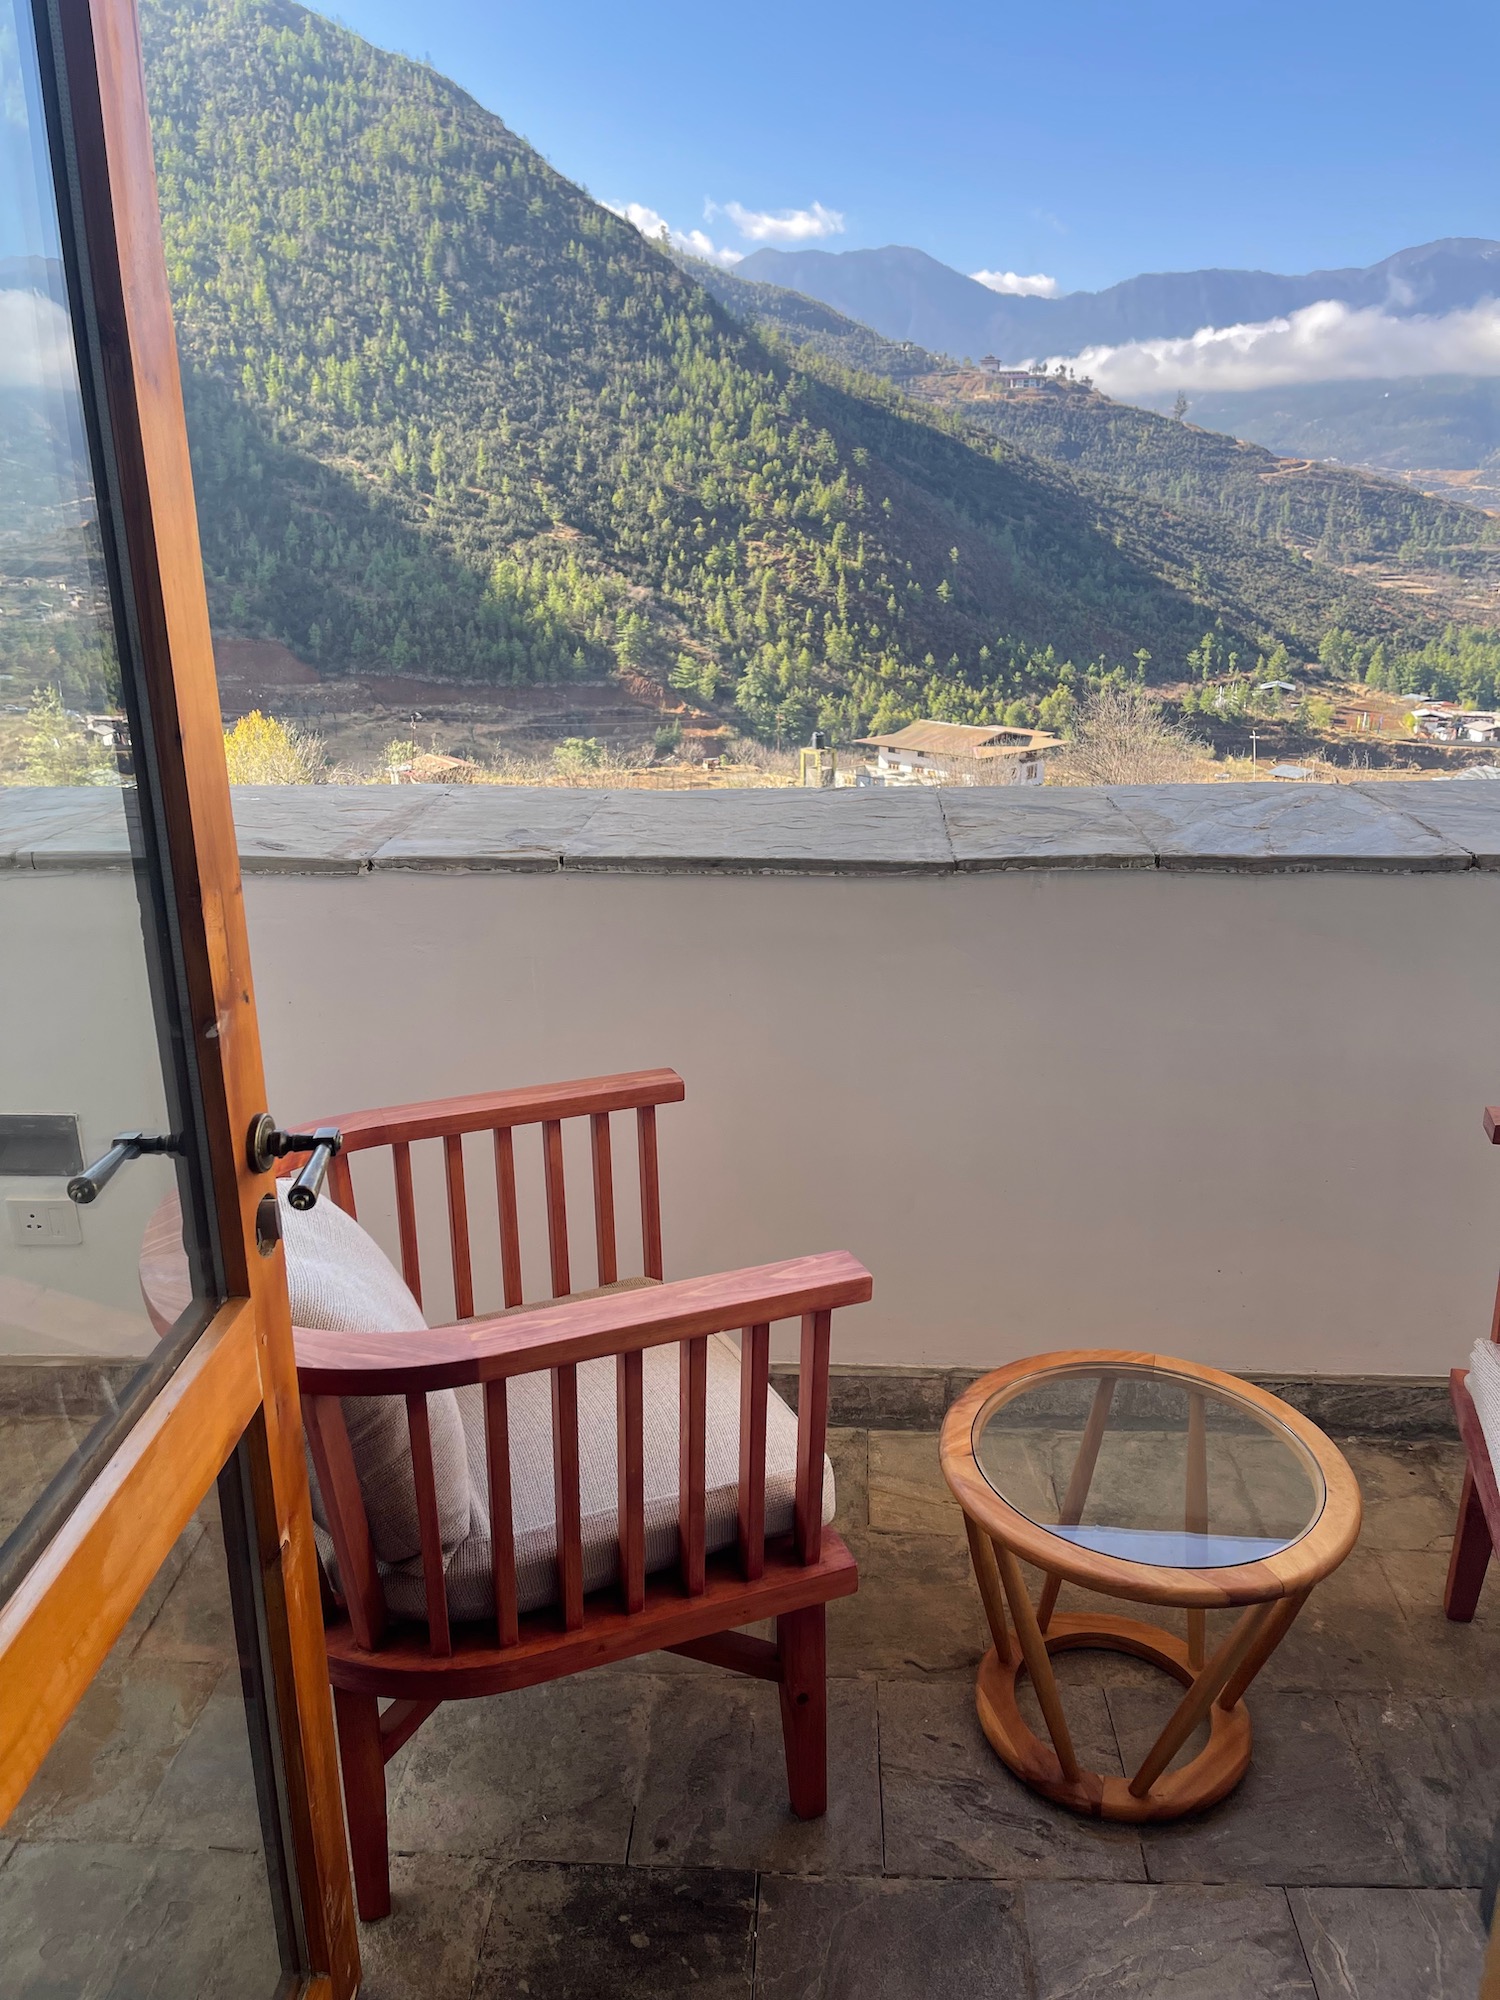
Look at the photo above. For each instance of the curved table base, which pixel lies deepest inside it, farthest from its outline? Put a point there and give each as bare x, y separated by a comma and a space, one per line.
1213, 1773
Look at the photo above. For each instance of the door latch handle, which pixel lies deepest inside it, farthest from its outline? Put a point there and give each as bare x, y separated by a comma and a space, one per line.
265, 1144
87, 1186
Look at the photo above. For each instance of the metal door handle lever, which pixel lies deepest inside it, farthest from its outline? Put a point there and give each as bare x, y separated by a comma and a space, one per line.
87, 1186
266, 1143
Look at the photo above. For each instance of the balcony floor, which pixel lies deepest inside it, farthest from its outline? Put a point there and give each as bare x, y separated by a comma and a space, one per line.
625, 1833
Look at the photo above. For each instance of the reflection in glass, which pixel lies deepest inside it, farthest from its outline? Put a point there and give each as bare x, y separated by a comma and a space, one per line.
80, 1054
139, 1866
1149, 1467
59, 675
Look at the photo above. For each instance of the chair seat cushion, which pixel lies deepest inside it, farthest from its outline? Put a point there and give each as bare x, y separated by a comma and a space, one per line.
341, 1280
468, 1567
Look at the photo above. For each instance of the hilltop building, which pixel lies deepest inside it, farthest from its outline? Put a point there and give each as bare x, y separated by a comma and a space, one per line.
956, 753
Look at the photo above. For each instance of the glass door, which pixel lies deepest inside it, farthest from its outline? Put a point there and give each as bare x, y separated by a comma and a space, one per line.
167, 1779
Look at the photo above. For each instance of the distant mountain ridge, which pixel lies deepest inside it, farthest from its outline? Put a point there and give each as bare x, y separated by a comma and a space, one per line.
907, 295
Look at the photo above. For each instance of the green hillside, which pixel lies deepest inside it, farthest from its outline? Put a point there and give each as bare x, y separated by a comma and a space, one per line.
1334, 509
450, 416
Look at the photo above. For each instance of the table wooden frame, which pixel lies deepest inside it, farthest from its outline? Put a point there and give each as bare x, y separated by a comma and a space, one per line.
1269, 1593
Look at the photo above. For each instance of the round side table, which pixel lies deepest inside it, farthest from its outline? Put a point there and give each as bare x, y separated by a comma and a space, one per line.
1163, 1483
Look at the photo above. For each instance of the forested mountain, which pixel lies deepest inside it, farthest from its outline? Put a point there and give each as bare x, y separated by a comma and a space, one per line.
1405, 423
907, 295
1342, 513
449, 415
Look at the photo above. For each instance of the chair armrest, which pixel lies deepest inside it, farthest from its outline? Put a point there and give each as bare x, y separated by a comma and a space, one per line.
523, 1343
448, 1117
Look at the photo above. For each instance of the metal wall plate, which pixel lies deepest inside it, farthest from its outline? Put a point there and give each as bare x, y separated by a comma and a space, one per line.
41, 1144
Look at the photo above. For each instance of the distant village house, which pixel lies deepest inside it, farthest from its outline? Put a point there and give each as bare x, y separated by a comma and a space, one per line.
956, 753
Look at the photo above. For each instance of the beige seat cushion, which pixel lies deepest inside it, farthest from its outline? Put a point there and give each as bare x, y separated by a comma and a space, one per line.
340, 1279
468, 1567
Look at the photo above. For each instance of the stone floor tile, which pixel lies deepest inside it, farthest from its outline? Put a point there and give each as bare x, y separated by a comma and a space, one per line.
1108, 1940
81, 1920
428, 1947
1437, 1655
1445, 1460
714, 1790
103, 1770
889, 1941
581, 1933
1305, 1811
195, 1618
849, 1452
907, 1488
207, 1797
916, 1612
33, 1449
1405, 1507
950, 1807
1349, 1636
1390, 1944
546, 1773
1435, 1769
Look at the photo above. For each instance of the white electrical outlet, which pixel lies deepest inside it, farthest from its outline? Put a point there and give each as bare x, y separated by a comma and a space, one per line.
43, 1222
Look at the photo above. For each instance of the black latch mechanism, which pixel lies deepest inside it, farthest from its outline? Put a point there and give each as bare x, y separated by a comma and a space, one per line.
265, 1144
87, 1186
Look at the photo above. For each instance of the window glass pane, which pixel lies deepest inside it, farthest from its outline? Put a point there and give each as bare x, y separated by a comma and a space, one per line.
80, 1006
138, 1865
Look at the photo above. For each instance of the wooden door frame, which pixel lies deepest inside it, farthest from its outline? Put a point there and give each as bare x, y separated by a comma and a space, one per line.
235, 1392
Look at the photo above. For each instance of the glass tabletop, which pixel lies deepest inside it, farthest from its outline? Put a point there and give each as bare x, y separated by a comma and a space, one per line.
1149, 1466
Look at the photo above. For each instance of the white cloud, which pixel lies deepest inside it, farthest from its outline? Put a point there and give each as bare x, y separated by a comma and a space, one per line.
1327, 342
36, 343
786, 225
1015, 285
694, 241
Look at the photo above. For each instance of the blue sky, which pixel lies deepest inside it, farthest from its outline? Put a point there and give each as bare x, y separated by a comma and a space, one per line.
1085, 145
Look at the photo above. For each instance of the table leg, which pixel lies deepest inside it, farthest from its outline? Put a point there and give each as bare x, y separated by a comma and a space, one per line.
1199, 1698
1038, 1664
1071, 1512
1196, 1512
1278, 1624
987, 1576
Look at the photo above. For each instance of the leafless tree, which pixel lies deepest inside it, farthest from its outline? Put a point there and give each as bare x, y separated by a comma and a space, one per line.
1121, 737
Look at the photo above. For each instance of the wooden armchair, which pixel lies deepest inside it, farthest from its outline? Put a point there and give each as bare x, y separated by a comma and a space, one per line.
741, 1501
1477, 1529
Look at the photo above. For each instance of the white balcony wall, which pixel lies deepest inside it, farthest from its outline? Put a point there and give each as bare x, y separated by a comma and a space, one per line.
1234, 1116
1231, 1117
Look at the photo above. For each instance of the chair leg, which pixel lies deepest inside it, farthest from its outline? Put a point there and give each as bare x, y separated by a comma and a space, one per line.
801, 1643
1471, 1554
360, 1754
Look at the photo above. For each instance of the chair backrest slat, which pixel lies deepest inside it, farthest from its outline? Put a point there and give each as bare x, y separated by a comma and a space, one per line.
458, 1227
650, 1192
341, 1184
606, 1261
755, 1382
557, 1206
510, 1226
631, 1448
434, 1583
406, 1219
567, 1506
812, 1433
502, 1525
344, 1510
692, 1477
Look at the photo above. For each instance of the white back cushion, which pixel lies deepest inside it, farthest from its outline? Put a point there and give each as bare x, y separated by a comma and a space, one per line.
341, 1280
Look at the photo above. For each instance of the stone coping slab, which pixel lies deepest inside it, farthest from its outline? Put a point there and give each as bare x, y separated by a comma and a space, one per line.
1396, 828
